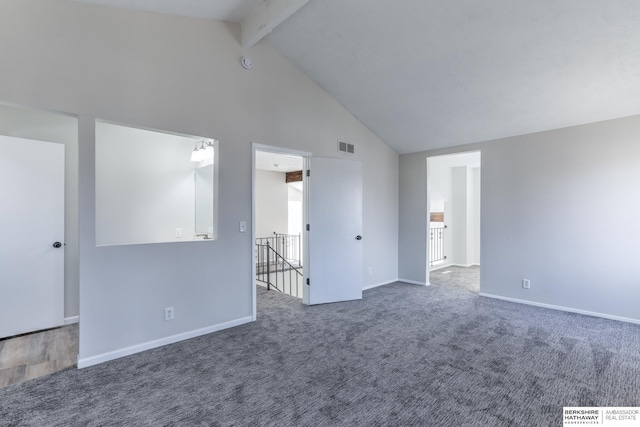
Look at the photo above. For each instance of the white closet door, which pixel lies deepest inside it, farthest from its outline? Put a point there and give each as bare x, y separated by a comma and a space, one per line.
32, 242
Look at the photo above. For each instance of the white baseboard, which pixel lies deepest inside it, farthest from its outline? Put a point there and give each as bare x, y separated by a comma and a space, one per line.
105, 357
414, 282
375, 285
71, 320
440, 267
562, 308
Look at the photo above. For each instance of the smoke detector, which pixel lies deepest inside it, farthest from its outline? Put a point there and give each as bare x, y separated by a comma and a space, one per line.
246, 62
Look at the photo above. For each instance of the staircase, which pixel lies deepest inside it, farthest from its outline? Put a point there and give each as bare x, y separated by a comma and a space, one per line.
278, 263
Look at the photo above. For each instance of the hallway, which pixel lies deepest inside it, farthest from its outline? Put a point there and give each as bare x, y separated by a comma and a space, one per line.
467, 278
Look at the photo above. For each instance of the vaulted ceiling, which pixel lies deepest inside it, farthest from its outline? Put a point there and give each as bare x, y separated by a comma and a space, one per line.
223, 10
424, 74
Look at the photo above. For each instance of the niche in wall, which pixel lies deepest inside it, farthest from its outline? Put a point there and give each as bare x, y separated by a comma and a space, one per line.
154, 186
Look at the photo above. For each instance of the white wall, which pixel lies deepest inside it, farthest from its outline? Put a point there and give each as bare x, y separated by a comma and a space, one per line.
145, 186
474, 238
295, 211
272, 203
182, 75
205, 203
412, 227
465, 224
544, 197
460, 215
63, 129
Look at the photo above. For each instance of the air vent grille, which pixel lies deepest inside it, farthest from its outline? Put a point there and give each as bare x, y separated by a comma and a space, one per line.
346, 148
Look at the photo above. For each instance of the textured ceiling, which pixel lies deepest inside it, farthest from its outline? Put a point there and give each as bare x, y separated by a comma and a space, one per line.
223, 10
424, 74
277, 162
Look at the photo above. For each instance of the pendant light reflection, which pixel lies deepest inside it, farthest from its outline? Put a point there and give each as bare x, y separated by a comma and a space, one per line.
203, 152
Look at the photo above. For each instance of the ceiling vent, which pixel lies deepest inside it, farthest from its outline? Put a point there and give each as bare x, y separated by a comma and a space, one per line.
346, 148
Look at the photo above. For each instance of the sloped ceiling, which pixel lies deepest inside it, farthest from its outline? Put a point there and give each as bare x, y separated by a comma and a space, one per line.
425, 74
222, 10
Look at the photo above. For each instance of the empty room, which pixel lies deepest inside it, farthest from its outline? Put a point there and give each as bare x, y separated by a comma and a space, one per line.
456, 241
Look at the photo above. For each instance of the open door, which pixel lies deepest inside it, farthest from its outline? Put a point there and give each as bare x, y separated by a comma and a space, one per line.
333, 258
32, 248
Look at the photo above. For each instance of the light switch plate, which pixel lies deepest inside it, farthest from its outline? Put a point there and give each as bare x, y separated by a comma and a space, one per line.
243, 226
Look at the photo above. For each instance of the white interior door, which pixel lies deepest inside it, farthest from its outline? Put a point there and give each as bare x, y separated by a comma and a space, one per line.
333, 259
32, 218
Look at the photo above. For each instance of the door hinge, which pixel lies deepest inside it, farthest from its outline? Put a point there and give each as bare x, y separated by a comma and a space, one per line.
308, 227
308, 172
308, 281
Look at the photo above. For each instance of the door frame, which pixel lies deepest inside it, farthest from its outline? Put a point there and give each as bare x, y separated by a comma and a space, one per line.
428, 204
270, 149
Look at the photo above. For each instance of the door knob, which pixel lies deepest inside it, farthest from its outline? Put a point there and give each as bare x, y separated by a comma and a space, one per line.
57, 245
358, 237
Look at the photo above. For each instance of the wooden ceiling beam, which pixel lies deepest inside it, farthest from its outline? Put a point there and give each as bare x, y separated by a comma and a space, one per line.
294, 176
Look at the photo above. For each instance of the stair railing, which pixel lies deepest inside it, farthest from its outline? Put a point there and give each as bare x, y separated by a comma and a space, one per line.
287, 245
275, 271
436, 244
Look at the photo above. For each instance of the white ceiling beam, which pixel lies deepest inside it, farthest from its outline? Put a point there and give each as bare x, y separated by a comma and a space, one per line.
266, 16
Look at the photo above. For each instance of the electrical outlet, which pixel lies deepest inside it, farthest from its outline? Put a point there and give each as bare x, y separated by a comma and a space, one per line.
178, 232
168, 313
526, 283
369, 271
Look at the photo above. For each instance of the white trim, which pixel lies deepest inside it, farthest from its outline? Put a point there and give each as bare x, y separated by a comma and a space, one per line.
105, 357
254, 296
428, 210
271, 149
71, 320
375, 285
562, 308
414, 282
440, 267
280, 150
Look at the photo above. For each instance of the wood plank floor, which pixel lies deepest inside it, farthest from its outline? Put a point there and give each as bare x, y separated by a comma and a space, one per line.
40, 353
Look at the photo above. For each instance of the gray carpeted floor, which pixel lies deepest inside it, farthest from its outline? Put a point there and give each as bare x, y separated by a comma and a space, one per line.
405, 355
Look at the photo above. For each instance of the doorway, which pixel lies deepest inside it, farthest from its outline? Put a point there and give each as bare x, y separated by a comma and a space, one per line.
330, 245
277, 223
25, 354
279, 244
453, 219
